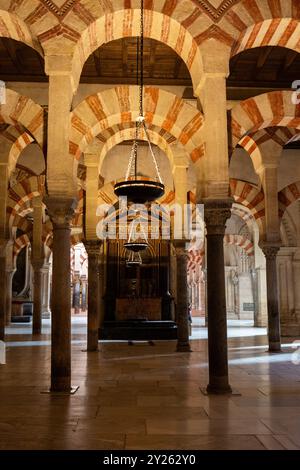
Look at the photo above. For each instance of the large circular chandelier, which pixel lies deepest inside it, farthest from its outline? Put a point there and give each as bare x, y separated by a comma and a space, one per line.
140, 189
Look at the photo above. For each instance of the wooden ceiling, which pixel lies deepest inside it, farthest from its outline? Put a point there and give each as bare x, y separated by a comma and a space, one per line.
115, 62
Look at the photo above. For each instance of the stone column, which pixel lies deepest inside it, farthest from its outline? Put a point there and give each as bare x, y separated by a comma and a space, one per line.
213, 179
46, 302
270, 252
286, 289
60, 171
3, 235
76, 293
183, 343
9, 277
101, 290
61, 211
261, 320
216, 212
83, 293
37, 296
93, 250
296, 272
268, 173
37, 261
2, 293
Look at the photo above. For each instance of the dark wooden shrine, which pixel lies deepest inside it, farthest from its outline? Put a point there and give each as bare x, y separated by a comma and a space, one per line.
137, 302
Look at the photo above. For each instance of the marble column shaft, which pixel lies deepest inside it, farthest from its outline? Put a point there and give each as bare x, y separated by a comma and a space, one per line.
37, 296
183, 343
216, 213
61, 211
93, 251
270, 253
9, 278
2, 298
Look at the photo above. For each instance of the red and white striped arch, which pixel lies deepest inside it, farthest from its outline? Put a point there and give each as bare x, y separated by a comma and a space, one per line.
287, 196
84, 26
20, 243
251, 197
274, 109
21, 194
120, 105
167, 21
22, 110
122, 132
184, 26
13, 25
242, 242
16, 149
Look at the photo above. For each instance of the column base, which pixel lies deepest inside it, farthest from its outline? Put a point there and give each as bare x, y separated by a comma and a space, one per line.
183, 347
275, 346
91, 350
70, 391
219, 386
37, 332
261, 324
93, 342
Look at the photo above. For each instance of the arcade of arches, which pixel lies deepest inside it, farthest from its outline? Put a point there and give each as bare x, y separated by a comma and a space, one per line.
224, 122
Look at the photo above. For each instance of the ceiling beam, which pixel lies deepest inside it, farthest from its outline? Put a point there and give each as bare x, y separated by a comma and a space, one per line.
152, 58
178, 63
290, 58
262, 58
11, 49
125, 57
97, 61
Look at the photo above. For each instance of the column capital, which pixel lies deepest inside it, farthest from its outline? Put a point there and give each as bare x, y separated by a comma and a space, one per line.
216, 213
92, 247
37, 264
180, 247
61, 210
270, 250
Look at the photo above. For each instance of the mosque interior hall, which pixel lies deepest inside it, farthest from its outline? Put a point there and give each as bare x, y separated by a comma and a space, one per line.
150, 225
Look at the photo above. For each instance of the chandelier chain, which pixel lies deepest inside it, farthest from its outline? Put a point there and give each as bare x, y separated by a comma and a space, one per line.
140, 122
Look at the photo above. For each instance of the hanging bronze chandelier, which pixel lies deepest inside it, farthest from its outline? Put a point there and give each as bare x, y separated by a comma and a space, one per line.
140, 189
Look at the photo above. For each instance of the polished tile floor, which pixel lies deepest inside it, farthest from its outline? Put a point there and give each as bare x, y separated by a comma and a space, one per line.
149, 397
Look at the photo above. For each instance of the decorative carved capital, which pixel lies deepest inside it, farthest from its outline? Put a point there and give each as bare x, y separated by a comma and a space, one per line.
61, 210
270, 251
92, 248
180, 247
38, 264
216, 213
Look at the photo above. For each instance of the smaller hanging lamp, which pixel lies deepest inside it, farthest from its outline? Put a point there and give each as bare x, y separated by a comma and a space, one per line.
134, 259
141, 243
140, 189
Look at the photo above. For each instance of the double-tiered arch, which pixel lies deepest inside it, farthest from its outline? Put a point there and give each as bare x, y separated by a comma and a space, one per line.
110, 112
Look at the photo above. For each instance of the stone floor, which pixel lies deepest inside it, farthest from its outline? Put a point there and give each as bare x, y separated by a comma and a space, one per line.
148, 397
